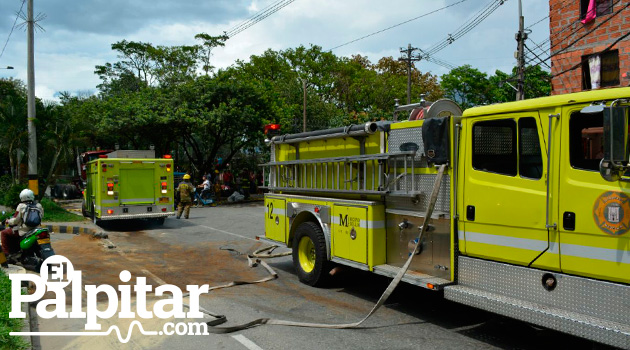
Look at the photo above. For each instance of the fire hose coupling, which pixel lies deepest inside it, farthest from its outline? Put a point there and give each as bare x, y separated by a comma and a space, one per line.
370, 127
404, 225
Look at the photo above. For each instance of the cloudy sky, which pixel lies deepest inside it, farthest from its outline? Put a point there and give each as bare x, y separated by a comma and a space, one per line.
78, 35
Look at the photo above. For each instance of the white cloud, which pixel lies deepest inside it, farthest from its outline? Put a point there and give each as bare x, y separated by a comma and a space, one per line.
68, 50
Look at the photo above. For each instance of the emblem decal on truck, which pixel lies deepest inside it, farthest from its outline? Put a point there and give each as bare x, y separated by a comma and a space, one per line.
612, 213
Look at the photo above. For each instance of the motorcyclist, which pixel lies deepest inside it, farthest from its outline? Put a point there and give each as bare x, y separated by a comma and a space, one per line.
10, 237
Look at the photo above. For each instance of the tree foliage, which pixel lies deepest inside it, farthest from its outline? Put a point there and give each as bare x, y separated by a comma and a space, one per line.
172, 98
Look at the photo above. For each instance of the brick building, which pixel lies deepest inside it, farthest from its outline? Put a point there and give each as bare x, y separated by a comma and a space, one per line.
590, 44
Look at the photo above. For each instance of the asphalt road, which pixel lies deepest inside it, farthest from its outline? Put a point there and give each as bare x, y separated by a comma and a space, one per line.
184, 252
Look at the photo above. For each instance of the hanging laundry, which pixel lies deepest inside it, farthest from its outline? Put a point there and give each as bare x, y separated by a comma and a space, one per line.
591, 12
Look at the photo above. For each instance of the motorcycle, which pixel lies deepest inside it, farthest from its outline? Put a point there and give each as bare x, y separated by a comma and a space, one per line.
35, 247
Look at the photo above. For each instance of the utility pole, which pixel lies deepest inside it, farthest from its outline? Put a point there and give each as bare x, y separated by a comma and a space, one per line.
304, 106
521, 36
32, 134
409, 57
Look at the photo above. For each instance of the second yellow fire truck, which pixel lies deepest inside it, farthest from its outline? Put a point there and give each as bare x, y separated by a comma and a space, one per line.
530, 216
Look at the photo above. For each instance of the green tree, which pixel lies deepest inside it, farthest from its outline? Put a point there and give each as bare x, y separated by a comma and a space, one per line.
225, 113
13, 120
467, 86
209, 42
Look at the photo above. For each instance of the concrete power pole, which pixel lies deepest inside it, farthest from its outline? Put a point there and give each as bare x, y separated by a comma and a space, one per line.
521, 36
32, 134
409, 57
304, 106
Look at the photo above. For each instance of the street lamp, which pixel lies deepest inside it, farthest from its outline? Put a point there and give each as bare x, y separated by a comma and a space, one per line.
7, 67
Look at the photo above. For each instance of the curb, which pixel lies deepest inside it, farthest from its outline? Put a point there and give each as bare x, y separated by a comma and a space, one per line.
77, 230
71, 229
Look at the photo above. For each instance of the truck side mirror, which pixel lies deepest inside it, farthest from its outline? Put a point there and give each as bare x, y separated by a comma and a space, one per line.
615, 142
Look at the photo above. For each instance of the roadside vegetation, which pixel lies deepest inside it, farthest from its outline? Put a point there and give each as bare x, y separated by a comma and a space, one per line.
54, 213
7, 324
172, 98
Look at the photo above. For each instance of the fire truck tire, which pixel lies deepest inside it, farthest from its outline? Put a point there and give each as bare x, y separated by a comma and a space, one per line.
84, 209
95, 220
309, 254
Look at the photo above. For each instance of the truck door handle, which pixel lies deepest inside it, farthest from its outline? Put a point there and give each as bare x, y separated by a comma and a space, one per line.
568, 221
470, 213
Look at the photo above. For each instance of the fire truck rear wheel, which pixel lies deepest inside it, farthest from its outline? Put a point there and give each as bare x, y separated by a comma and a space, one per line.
84, 209
95, 220
309, 254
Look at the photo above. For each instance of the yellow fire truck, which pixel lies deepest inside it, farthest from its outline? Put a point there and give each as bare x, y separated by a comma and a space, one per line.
128, 184
530, 216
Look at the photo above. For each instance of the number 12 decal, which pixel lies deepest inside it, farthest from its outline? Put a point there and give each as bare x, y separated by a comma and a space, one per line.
270, 209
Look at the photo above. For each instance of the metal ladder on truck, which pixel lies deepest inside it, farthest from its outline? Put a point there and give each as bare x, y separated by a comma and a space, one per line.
361, 174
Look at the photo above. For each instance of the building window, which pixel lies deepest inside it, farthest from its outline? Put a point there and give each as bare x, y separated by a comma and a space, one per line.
602, 7
600, 70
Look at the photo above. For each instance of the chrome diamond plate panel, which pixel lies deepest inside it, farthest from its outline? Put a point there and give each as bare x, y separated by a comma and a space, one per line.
414, 135
593, 328
584, 296
424, 183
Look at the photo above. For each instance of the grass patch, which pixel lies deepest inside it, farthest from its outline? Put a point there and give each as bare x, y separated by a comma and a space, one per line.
54, 213
7, 324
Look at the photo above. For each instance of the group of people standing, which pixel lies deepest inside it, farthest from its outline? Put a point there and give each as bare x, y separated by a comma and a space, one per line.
216, 183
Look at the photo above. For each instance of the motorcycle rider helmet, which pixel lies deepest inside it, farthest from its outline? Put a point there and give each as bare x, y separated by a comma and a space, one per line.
27, 195
186, 177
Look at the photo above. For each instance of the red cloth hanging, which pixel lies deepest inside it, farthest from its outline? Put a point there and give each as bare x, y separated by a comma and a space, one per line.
591, 13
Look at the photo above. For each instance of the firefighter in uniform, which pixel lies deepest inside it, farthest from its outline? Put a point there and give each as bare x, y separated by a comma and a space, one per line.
185, 190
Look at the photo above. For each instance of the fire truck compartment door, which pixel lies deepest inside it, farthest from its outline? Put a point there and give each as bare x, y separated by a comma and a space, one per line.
349, 232
275, 219
137, 186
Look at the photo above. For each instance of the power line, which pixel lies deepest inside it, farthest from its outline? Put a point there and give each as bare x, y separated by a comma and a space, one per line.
261, 15
567, 3
12, 28
586, 33
397, 25
254, 16
577, 28
583, 59
541, 60
467, 27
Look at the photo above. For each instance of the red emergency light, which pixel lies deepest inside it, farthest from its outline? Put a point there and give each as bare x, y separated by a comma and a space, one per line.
271, 127
167, 156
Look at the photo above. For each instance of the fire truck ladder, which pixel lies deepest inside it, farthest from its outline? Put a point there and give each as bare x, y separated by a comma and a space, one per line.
362, 174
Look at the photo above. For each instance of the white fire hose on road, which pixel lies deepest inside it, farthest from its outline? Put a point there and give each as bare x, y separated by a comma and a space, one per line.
258, 256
